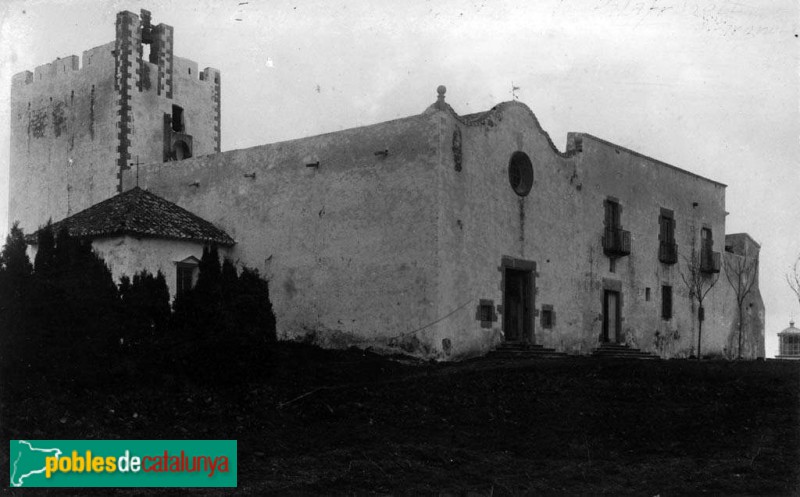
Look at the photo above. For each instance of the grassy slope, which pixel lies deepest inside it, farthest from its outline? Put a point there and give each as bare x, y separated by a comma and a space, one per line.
364, 424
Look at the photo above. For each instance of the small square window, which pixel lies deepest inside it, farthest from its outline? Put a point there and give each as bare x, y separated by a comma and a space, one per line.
485, 313
547, 317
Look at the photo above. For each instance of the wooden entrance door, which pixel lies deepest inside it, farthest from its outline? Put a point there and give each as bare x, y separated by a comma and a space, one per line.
518, 305
611, 317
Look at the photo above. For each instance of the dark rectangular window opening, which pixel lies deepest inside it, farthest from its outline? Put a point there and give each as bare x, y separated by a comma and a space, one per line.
177, 119
666, 224
709, 260
706, 240
548, 317
616, 241
666, 302
486, 314
667, 248
647, 294
613, 214
185, 279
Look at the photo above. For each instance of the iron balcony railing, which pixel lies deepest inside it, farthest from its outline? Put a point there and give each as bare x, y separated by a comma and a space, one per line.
616, 242
668, 252
709, 261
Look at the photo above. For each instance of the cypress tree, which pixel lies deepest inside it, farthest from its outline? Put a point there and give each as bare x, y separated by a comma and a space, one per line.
14, 260
45, 250
15, 284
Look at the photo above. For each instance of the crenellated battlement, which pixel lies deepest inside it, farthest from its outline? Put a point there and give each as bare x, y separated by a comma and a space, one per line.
71, 66
59, 68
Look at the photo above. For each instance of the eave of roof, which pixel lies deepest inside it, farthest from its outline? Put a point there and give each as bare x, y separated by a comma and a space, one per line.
140, 213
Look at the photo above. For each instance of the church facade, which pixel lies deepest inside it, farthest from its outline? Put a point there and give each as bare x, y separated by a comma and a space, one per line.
438, 234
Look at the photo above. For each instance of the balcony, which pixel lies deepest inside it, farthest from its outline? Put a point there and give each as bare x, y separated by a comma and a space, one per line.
709, 261
616, 242
668, 252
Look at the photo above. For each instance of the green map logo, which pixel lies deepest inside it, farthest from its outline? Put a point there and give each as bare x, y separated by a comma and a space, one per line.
122, 463
28, 461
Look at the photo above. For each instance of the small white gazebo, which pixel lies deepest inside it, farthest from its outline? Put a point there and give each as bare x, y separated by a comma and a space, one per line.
789, 343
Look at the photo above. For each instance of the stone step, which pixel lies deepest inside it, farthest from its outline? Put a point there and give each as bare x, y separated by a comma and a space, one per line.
519, 345
620, 351
526, 354
625, 356
612, 346
523, 349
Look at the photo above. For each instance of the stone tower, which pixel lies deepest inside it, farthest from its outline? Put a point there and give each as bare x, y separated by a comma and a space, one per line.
76, 126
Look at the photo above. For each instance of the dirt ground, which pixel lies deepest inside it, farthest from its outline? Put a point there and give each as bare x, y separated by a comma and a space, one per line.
352, 423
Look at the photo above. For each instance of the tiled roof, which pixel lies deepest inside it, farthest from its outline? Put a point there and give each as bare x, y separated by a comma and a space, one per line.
140, 213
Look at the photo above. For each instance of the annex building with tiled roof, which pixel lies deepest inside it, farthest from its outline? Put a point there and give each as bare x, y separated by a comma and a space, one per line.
136, 230
439, 235
141, 214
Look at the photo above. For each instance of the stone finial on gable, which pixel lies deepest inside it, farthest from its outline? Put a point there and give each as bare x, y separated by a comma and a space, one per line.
440, 103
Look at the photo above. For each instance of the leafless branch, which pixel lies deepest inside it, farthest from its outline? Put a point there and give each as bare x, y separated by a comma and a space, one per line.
793, 278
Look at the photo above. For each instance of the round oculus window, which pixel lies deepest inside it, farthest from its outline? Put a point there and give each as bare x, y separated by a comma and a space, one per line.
520, 173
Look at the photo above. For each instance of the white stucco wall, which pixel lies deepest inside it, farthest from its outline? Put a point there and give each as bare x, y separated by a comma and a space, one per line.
348, 245
127, 255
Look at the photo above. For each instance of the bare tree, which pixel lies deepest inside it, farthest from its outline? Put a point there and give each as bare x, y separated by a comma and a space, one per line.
697, 278
741, 272
793, 278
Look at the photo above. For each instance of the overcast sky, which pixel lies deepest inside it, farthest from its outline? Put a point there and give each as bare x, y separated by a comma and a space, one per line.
708, 86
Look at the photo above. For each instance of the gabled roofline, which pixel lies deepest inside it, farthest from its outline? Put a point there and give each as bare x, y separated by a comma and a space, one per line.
220, 237
481, 118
